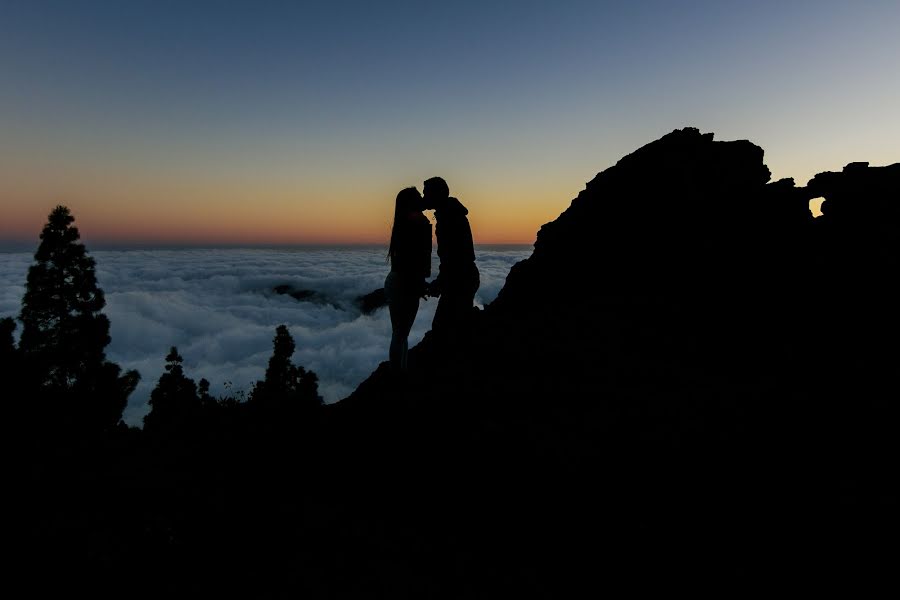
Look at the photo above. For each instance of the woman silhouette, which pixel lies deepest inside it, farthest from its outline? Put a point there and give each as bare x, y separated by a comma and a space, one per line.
410, 257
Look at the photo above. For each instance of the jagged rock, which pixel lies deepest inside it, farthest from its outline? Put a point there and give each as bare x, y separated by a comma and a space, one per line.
366, 303
304, 295
371, 302
654, 361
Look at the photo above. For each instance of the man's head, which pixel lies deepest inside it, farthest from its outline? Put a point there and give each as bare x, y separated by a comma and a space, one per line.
436, 191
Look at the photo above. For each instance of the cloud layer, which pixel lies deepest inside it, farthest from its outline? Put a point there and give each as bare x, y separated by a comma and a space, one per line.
218, 308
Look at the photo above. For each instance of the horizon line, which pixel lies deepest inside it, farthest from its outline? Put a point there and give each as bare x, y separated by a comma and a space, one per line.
23, 246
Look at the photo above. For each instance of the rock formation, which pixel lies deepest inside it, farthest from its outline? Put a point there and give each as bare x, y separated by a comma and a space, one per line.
687, 355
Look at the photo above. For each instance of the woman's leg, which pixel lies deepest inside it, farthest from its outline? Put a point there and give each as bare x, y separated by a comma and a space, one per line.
403, 314
392, 292
403, 306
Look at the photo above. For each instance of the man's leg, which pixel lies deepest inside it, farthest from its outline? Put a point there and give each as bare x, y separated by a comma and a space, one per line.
454, 308
446, 316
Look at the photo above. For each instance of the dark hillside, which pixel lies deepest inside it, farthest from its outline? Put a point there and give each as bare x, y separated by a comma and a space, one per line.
687, 369
691, 384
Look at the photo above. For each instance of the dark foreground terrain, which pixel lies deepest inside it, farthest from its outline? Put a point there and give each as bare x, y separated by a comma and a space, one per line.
691, 384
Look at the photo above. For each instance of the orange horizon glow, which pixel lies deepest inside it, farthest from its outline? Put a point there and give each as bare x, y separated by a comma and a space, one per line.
183, 127
256, 225
241, 216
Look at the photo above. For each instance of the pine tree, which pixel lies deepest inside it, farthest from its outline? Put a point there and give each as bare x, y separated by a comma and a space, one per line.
7, 343
206, 399
174, 404
9, 359
281, 375
286, 385
65, 334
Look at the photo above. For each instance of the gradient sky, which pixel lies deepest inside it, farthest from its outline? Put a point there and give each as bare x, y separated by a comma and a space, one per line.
298, 122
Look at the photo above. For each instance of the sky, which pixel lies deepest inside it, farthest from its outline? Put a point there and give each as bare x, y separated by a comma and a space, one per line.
298, 122
218, 308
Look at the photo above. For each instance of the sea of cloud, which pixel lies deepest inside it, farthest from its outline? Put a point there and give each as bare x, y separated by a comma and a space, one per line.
218, 307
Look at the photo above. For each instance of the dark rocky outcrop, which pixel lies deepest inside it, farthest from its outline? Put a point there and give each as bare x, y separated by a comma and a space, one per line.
366, 303
369, 303
301, 294
673, 380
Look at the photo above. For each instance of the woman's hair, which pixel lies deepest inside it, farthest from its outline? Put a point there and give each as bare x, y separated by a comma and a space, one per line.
408, 200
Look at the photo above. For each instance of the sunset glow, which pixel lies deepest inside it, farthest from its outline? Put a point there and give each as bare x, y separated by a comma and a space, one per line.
298, 125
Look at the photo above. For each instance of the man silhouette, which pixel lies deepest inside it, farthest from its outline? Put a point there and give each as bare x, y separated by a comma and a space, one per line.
458, 277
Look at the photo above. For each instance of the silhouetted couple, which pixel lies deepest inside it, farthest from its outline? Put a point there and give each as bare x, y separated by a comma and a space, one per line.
410, 257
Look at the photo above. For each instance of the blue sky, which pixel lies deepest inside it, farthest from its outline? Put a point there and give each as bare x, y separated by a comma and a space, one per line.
299, 122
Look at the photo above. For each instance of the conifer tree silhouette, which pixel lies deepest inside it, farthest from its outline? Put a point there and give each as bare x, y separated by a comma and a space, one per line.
286, 385
206, 399
64, 333
174, 403
9, 363
7, 344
